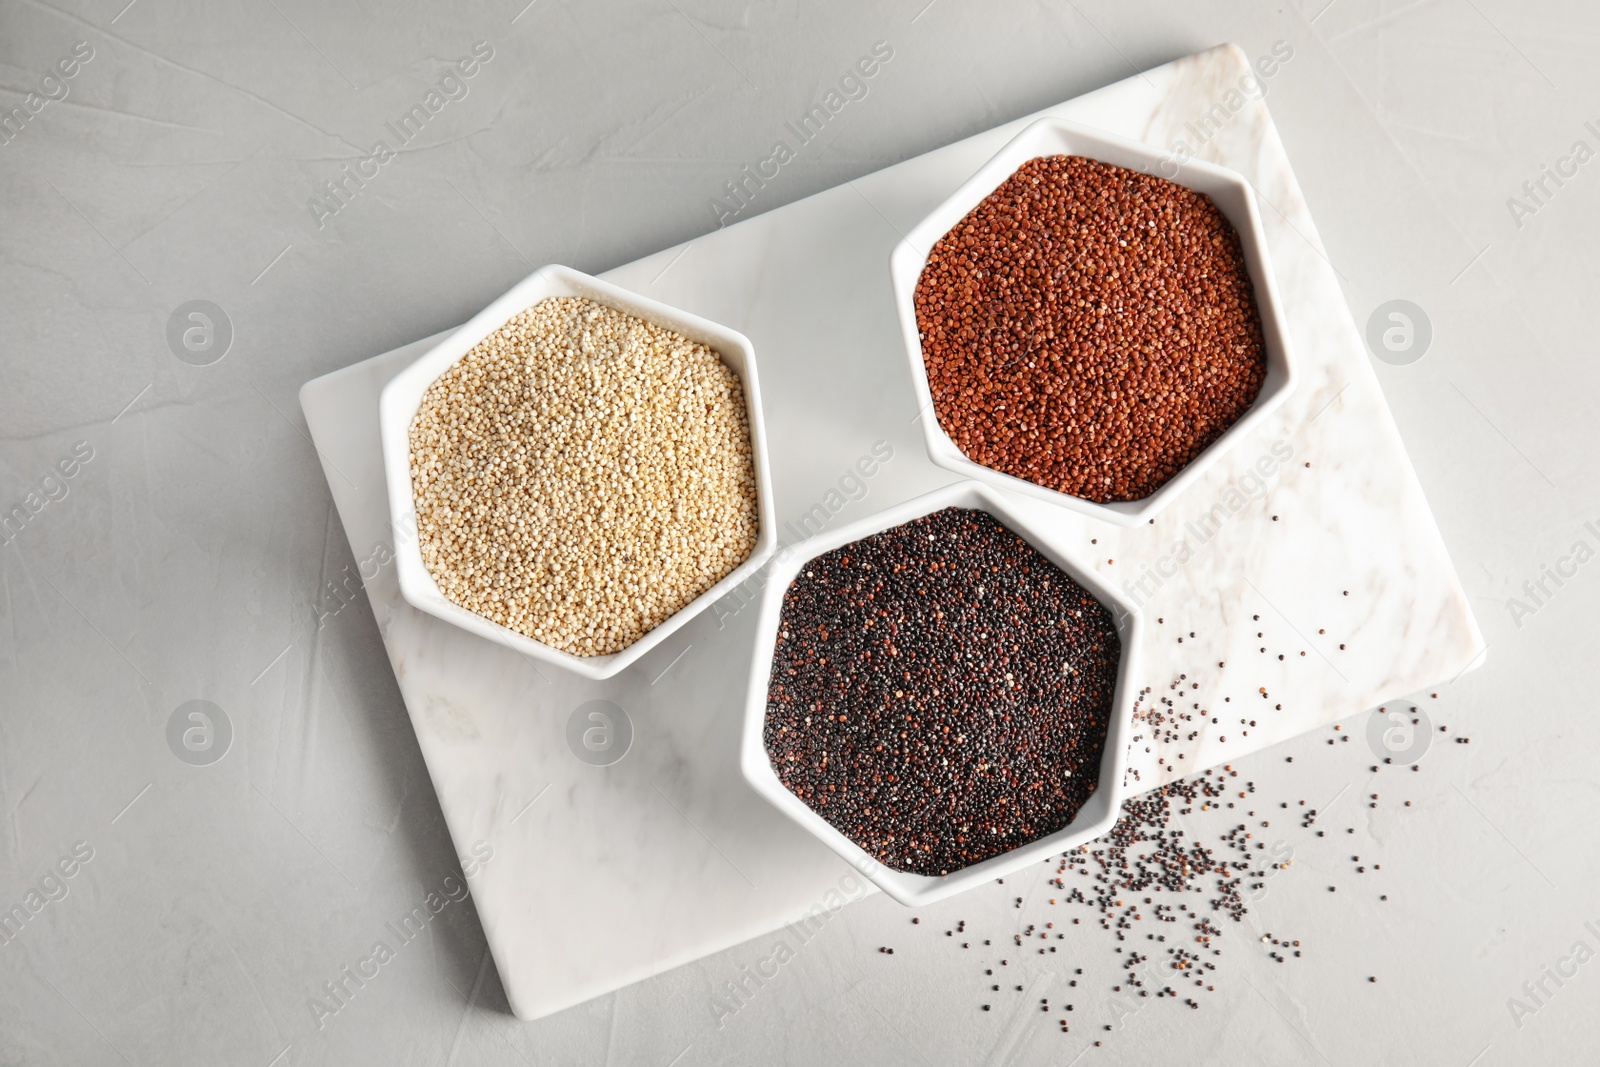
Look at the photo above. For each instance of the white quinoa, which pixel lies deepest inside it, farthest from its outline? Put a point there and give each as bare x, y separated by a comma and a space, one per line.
582, 474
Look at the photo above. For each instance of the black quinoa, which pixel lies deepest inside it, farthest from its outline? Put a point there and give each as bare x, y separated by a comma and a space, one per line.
940, 692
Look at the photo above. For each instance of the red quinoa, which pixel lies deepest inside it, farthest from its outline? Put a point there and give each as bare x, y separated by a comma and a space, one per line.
1089, 328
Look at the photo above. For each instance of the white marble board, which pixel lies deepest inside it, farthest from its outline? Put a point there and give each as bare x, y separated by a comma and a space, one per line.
602, 876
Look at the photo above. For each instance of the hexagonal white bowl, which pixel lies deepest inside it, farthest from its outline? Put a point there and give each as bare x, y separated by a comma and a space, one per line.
398, 404
1049, 137
1092, 820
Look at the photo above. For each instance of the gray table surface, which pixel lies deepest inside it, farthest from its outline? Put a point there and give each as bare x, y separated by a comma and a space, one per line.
187, 554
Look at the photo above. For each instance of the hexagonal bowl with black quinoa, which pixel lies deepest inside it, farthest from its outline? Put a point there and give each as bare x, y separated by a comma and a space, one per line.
940, 694
1091, 321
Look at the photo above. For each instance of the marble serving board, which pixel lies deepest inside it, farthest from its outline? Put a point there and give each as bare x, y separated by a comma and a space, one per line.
1313, 532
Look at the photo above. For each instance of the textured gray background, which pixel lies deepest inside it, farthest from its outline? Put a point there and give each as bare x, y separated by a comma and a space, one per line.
189, 557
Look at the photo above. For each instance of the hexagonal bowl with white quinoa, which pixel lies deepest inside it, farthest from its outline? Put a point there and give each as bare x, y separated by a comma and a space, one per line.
815, 696
577, 472
1078, 318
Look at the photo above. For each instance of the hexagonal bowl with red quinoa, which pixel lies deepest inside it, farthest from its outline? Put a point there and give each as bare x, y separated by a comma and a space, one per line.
1091, 321
941, 694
